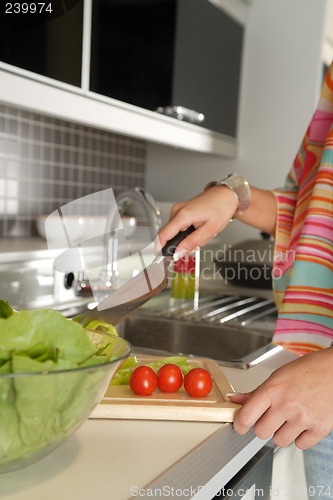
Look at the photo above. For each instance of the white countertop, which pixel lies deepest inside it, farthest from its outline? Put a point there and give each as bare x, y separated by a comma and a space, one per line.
25, 249
123, 459
19, 245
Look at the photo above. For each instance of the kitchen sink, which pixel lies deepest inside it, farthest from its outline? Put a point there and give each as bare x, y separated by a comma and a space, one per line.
237, 345
234, 330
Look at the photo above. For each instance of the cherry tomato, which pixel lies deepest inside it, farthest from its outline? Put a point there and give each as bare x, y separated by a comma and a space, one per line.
169, 378
143, 381
198, 382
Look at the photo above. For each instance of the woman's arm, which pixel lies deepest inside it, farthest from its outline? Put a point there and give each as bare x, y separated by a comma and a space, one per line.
211, 211
262, 211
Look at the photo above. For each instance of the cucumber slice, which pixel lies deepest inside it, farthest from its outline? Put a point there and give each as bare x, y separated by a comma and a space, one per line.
101, 326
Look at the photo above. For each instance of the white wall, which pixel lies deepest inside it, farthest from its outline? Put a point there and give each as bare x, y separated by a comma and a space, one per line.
281, 80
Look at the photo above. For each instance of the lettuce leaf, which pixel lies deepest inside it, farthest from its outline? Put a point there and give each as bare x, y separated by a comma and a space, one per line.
42, 409
5, 309
26, 329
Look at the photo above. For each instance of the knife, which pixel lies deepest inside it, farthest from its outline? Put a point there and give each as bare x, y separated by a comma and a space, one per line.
137, 290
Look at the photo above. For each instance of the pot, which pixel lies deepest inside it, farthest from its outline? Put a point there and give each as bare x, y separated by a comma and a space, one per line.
249, 263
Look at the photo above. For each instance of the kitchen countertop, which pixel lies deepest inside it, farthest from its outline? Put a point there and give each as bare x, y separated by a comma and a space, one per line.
24, 249
123, 459
22, 244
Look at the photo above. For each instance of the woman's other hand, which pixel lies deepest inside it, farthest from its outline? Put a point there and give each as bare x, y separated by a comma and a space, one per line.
293, 404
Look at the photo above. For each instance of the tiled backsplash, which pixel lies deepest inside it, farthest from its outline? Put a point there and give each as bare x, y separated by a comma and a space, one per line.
46, 162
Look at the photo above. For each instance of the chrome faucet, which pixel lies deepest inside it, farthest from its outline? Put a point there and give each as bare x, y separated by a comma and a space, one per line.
152, 215
138, 196
141, 197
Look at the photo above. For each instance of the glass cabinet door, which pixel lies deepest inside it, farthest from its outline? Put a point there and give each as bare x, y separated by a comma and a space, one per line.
43, 37
132, 50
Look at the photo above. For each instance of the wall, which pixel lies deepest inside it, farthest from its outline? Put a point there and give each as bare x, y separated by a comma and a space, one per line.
281, 80
46, 162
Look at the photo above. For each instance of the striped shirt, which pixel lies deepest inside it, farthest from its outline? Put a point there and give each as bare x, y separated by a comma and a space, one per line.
303, 264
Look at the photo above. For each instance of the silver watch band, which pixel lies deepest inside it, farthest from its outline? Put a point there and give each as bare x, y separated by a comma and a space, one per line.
240, 188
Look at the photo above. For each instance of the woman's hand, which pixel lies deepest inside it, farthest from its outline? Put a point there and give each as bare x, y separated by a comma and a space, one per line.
293, 404
209, 212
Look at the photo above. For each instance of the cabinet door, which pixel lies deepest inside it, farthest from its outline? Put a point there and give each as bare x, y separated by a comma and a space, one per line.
132, 47
207, 64
167, 53
43, 37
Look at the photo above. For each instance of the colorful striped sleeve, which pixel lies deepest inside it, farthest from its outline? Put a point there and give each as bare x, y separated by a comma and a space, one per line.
303, 265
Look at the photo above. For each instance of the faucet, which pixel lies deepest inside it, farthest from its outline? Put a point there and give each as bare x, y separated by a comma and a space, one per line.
141, 197
138, 196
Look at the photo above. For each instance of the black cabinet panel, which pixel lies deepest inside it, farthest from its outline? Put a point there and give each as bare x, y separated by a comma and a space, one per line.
132, 50
207, 64
158, 53
47, 41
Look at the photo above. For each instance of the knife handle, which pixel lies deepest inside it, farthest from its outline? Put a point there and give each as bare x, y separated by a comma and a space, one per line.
169, 248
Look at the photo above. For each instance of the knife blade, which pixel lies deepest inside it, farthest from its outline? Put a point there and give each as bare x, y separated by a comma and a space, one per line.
137, 290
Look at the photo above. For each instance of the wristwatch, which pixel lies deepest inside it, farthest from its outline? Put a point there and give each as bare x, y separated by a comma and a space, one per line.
239, 186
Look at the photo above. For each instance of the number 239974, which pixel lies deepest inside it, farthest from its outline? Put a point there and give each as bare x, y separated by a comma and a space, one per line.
28, 7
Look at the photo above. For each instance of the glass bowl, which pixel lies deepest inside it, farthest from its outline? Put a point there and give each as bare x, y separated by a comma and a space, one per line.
39, 411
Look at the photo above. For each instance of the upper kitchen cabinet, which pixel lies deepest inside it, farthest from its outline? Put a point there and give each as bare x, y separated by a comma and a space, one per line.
171, 56
44, 38
166, 71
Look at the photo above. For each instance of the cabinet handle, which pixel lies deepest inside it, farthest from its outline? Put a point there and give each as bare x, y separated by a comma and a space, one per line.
182, 113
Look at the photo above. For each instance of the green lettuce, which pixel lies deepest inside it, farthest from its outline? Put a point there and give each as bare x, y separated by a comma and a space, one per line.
5, 309
41, 410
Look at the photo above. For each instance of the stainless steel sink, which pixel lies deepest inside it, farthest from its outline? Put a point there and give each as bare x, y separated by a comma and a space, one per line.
175, 336
234, 330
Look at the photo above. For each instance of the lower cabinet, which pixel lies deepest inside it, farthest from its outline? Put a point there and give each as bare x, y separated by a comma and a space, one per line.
254, 480
271, 474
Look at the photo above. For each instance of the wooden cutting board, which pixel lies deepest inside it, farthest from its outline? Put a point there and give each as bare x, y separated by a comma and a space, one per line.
120, 402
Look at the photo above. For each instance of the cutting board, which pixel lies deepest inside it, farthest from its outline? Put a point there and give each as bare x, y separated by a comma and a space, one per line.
119, 402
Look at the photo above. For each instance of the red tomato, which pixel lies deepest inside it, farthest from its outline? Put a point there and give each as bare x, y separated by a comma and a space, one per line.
198, 382
169, 378
143, 381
